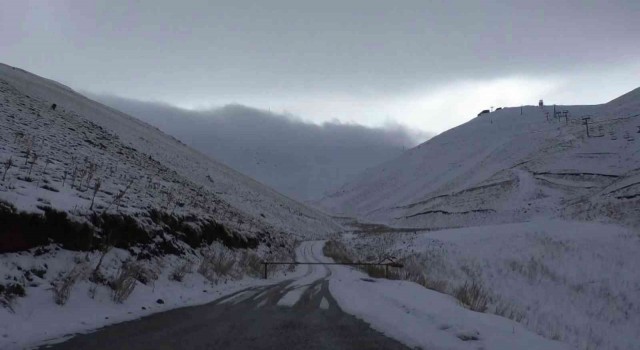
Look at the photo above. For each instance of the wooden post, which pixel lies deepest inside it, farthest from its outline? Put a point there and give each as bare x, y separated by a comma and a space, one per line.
265, 270
586, 125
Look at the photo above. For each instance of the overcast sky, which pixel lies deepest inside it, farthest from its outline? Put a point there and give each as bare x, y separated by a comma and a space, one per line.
429, 65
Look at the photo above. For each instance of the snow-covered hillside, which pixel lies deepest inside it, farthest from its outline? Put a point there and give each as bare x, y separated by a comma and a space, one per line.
545, 217
104, 218
576, 282
508, 166
123, 151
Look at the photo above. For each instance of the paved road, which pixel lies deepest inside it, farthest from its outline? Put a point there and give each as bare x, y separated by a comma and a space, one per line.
296, 314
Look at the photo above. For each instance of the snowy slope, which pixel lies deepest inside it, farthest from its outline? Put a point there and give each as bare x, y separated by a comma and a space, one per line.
507, 167
95, 204
161, 170
576, 282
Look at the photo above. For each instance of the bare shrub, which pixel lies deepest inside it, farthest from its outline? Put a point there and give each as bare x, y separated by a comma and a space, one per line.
180, 271
5, 302
509, 311
122, 287
251, 263
286, 253
96, 188
380, 247
62, 286
415, 272
337, 251
7, 165
9, 292
141, 273
118, 197
215, 263
473, 296
124, 283
375, 271
34, 159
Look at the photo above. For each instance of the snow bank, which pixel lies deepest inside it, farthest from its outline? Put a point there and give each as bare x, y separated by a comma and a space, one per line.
423, 318
577, 282
37, 320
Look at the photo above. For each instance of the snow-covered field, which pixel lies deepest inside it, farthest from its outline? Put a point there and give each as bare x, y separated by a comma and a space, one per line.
576, 282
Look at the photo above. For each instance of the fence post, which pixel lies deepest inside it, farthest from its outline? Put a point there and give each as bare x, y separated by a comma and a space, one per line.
265, 269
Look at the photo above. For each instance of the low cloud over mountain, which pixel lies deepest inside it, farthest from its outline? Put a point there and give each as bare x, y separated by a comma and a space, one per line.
300, 159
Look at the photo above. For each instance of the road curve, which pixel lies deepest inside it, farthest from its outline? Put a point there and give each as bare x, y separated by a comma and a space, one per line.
294, 314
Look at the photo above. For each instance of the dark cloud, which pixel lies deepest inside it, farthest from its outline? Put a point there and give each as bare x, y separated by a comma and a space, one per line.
299, 159
362, 60
241, 47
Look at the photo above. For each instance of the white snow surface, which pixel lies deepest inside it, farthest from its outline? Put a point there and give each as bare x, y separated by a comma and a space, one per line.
508, 167
417, 316
36, 320
577, 282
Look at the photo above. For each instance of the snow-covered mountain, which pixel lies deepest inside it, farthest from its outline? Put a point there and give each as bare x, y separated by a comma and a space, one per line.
300, 159
113, 219
58, 155
507, 166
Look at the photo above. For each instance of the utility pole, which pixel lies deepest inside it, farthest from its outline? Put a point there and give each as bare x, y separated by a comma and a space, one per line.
586, 124
520, 109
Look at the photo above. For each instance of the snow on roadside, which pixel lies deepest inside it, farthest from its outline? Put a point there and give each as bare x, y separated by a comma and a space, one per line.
574, 281
37, 320
423, 318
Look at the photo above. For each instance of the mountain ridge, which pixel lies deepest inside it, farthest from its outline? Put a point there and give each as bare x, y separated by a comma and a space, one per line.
454, 171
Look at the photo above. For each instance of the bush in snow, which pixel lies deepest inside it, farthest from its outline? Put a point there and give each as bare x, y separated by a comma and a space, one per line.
122, 286
10, 292
473, 296
337, 251
62, 287
125, 282
7, 165
217, 261
251, 263
416, 272
180, 271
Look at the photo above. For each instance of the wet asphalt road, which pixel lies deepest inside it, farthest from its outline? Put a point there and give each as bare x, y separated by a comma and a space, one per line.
249, 319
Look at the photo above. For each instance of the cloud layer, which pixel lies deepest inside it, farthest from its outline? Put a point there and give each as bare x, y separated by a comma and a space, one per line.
299, 159
367, 61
